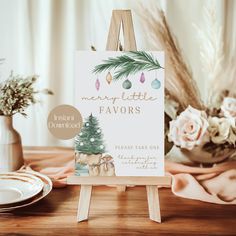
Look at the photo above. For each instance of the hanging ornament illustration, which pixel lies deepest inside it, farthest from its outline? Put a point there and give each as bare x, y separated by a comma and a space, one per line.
142, 78
127, 84
97, 84
156, 84
109, 77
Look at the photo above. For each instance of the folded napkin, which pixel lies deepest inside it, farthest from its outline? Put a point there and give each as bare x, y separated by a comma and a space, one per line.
216, 184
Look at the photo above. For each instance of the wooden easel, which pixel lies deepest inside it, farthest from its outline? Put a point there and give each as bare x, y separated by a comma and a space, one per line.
119, 17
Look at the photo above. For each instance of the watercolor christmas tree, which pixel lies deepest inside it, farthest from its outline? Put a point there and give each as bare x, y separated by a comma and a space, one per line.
89, 143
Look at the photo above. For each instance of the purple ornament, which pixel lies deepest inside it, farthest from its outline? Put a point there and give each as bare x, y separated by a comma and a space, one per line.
97, 84
142, 78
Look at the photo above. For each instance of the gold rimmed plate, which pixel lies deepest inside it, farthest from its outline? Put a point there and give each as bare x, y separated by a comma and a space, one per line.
17, 187
47, 187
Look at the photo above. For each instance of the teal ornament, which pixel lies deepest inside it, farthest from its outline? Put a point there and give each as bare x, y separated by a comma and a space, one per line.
156, 84
127, 84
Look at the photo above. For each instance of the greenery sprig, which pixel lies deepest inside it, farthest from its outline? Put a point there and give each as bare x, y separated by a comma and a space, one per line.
17, 93
128, 64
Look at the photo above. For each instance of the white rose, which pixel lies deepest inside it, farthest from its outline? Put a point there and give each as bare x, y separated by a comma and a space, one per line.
189, 128
222, 130
232, 136
228, 107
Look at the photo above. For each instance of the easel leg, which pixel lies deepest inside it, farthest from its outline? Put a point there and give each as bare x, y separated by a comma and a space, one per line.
153, 203
84, 202
121, 188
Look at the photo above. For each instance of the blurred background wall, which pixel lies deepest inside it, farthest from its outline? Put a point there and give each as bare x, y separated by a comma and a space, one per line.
41, 36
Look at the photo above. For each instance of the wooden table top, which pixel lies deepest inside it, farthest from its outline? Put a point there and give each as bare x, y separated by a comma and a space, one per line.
114, 213
119, 213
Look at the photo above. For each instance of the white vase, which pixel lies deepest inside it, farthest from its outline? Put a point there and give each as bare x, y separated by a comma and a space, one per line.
11, 154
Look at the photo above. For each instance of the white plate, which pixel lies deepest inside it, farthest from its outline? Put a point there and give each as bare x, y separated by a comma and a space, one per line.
17, 187
47, 187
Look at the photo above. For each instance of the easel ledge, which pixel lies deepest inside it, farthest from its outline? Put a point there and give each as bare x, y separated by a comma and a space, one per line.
160, 181
152, 183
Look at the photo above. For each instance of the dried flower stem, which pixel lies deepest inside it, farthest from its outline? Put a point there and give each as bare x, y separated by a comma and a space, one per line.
211, 50
179, 82
17, 93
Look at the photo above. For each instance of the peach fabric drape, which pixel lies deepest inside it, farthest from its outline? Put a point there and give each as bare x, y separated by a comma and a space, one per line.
215, 185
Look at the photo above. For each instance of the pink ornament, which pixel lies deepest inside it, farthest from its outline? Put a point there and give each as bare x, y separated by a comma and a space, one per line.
97, 84
142, 78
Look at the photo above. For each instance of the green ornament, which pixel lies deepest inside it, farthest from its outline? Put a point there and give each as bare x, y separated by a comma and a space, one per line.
156, 84
127, 84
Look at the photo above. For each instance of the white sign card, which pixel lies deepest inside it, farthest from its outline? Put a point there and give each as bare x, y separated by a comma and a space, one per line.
120, 96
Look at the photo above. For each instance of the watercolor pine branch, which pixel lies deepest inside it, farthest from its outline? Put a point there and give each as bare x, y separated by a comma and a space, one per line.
128, 64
